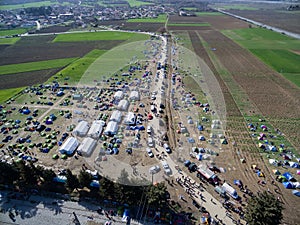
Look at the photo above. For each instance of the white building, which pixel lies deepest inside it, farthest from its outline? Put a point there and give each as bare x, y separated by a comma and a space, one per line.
96, 129
130, 118
81, 129
111, 128
116, 116
123, 105
134, 95
87, 146
69, 146
119, 95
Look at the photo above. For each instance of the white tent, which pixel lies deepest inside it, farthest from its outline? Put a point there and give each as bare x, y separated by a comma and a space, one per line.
69, 146
119, 95
116, 116
130, 118
123, 105
87, 146
81, 129
134, 95
111, 128
96, 129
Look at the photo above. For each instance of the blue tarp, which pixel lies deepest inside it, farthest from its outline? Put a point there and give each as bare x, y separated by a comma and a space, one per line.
288, 185
295, 192
200, 128
288, 176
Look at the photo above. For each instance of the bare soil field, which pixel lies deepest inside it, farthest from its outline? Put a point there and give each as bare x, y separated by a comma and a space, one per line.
217, 22
174, 28
54, 29
26, 79
285, 20
40, 48
122, 24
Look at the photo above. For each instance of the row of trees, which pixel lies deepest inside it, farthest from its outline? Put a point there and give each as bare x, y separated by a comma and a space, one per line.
25, 176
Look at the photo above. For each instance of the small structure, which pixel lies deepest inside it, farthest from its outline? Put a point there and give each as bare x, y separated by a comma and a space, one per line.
77, 97
134, 96
130, 118
111, 128
87, 146
123, 105
116, 116
69, 146
119, 95
96, 129
81, 129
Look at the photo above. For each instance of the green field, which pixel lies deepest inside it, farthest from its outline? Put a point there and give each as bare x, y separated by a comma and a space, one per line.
76, 69
274, 49
159, 19
9, 41
238, 6
95, 36
8, 93
28, 5
189, 24
33, 66
12, 32
208, 14
134, 3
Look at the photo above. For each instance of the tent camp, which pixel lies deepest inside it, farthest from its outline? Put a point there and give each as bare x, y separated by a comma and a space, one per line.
295, 192
116, 116
96, 129
87, 146
69, 146
81, 129
288, 176
288, 185
130, 118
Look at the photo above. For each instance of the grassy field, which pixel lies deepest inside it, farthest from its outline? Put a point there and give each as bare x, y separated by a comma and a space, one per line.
274, 49
134, 3
239, 6
76, 69
189, 24
159, 19
9, 41
28, 5
94, 36
208, 13
8, 93
12, 32
33, 66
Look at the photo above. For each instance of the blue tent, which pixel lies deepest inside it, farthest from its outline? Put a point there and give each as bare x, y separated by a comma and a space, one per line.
95, 183
200, 128
295, 192
288, 185
187, 163
26, 111
288, 176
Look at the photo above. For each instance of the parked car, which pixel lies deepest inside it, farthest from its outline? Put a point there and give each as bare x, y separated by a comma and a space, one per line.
167, 148
166, 168
154, 169
149, 152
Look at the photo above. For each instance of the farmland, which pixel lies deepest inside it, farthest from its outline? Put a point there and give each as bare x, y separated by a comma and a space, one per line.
159, 19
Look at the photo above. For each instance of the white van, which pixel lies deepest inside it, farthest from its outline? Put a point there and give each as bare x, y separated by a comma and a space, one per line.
167, 148
166, 168
149, 129
150, 142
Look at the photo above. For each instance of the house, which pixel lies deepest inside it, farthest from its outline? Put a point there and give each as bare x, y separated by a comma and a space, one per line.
69, 146
87, 146
77, 97
96, 129
81, 129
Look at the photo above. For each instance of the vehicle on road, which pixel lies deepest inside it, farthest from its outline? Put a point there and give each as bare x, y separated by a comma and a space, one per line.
166, 167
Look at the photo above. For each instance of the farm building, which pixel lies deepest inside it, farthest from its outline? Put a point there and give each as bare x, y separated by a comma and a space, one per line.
111, 128
116, 116
87, 146
119, 95
69, 146
81, 129
134, 95
96, 129
130, 118
123, 105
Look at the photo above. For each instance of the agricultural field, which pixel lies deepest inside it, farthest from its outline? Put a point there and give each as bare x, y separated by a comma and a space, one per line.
237, 71
12, 32
160, 19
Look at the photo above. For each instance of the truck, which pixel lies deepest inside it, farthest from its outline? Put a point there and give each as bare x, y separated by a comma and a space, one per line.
207, 175
230, 190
